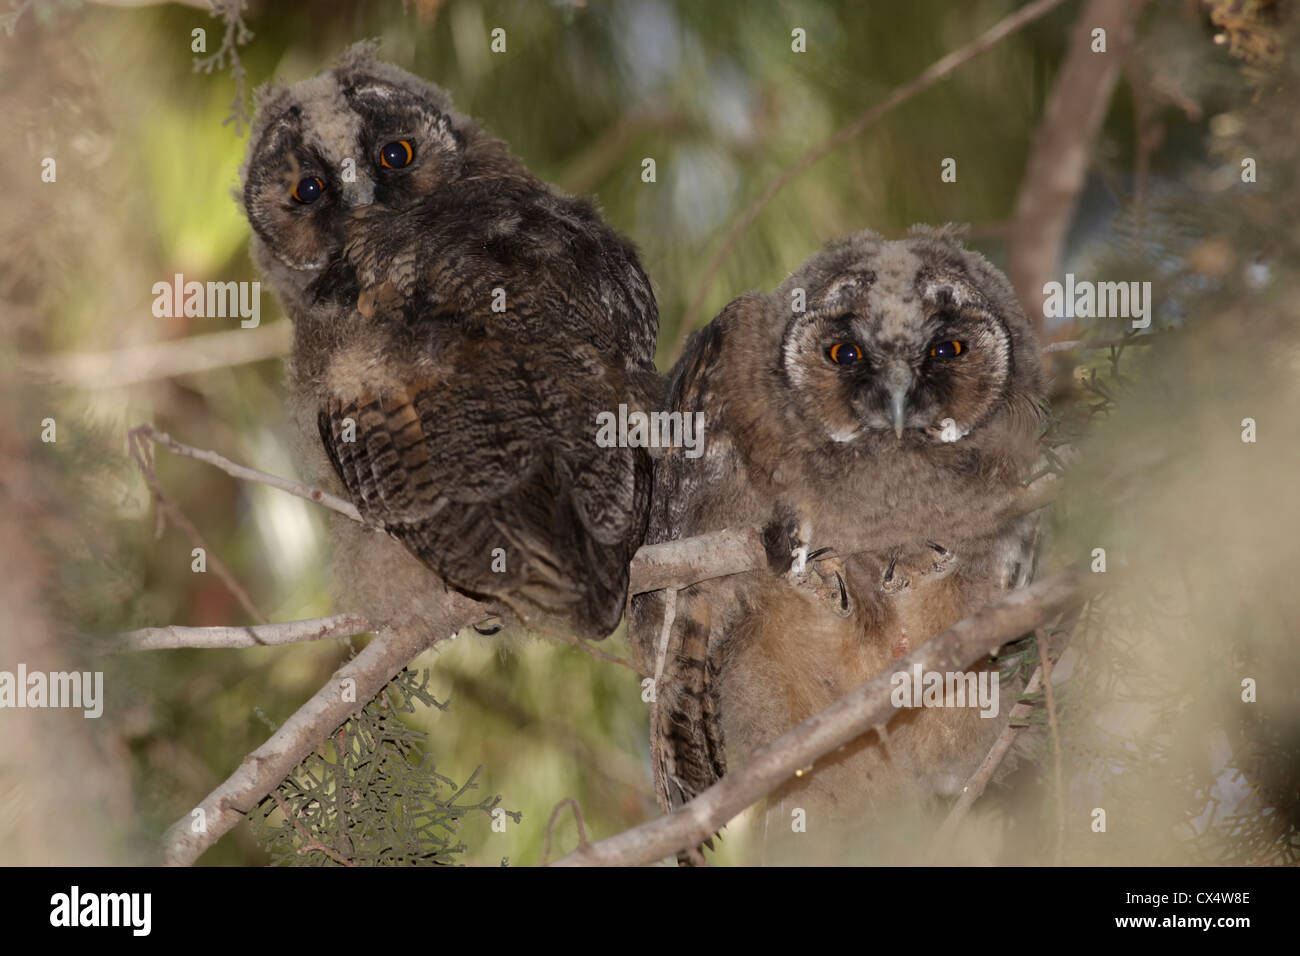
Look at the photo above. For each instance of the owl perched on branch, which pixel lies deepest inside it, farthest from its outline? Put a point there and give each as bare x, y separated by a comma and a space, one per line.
877, 414
458, 326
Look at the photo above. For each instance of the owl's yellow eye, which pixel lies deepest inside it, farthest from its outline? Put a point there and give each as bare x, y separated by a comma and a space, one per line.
308, 190
946, 350
397, 154
844, 353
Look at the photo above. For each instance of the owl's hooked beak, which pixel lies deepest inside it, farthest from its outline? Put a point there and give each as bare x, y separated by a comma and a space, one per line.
359, 193
898, 380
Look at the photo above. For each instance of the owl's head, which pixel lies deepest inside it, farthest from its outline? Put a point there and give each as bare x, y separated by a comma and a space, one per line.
364, 137
917, 341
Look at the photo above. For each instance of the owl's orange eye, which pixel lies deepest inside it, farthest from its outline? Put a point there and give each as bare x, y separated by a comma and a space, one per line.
844, 353
397, 154
946, 350
309, 189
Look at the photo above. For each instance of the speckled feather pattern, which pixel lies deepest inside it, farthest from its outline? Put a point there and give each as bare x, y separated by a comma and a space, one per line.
458, 325
805, 446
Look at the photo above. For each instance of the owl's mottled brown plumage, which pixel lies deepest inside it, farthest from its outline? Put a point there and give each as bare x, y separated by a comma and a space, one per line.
458, 325
899, 462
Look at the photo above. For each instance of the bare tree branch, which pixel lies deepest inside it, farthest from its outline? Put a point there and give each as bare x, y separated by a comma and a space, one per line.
1058, 161
259, 635
674, 564
142, 452
866, 707
1045, 662
1081, 345
555, 815
157, 360
333, 502
984, 772
345, 694
900, 95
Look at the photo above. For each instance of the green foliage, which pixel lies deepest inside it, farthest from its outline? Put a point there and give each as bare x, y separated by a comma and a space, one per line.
371, 795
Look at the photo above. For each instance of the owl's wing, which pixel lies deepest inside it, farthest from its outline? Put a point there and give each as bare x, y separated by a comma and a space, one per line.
687, 741
489, 473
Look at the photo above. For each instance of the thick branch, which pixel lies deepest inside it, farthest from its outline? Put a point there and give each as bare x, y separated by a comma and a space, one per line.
263, 769
1058, 162
866, 707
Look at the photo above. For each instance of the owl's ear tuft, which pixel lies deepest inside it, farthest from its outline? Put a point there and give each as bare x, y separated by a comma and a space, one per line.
360, 56
840, 290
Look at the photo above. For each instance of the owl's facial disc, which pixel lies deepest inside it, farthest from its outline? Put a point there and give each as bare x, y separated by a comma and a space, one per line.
924, 368
337, 144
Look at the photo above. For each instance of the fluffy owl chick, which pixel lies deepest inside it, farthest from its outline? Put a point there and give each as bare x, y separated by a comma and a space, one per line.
884, 404
458, 326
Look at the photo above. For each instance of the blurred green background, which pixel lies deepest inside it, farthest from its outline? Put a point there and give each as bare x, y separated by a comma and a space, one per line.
584, 92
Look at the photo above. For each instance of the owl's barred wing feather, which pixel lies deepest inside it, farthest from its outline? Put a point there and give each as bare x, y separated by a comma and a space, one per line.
470, 322
497, 486
688, 745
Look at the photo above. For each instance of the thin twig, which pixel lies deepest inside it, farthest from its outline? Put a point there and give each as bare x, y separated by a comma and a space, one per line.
143, 455
900, 95
312, 843
1080, 345
1045, 662
244, 473
1015, 723
591, 649
555, 815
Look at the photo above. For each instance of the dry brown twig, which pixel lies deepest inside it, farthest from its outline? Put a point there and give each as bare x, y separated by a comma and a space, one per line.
148, 362
555, 815
244, 473
143, 455
172, 636
1045, 663
344, 695
984, 772
311, 842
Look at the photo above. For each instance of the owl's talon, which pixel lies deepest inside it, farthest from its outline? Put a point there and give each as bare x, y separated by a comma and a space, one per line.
945, 560
892, 582
845, 606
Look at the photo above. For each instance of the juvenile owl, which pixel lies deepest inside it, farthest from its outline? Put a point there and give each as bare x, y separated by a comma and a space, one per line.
879, 411
458, 327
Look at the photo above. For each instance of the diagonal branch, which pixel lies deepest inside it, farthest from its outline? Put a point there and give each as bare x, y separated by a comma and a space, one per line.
244, 473
1058, 161
866, 707
937, 71
345, 694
